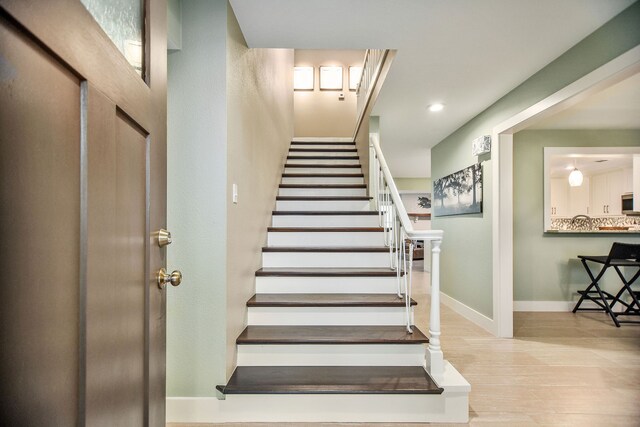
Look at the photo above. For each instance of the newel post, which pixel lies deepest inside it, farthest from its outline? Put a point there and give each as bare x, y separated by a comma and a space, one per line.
435, 359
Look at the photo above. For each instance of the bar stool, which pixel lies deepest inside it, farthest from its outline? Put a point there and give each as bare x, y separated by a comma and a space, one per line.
621, 255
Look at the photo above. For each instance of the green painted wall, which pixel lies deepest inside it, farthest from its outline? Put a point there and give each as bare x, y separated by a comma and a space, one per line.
545, 266
230, 120
466, 269
196, 205
413, 184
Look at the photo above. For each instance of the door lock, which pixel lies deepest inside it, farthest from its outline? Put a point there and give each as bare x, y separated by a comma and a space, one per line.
164, 238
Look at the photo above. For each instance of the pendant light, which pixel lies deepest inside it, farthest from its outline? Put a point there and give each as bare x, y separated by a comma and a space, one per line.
575, 177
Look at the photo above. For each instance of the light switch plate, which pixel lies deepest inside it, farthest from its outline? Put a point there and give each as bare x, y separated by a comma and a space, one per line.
234, 194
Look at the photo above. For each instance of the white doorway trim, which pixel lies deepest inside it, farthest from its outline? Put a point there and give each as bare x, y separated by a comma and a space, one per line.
607, 75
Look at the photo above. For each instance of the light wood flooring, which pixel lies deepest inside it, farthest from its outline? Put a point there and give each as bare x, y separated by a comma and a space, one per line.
561, 369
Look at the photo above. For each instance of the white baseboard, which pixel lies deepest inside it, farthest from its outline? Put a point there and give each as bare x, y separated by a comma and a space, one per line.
322, 139
550, 306
469, 313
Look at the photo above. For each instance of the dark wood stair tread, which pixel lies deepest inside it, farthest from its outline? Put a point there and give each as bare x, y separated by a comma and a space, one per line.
327, 300
325, 229
323, 150
329, 213
321, 143
322, 158
326, 272
330, 335
323, 175
323, 198
332, 186
295, 165
334, 249
330, 380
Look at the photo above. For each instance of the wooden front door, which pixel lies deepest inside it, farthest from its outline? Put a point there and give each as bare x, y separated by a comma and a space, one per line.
83, 194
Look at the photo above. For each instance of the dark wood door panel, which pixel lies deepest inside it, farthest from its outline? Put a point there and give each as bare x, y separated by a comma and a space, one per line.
83, 168
116, 229
68, 29
39, 225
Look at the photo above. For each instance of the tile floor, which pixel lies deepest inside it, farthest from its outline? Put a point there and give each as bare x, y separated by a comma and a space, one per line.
560, 369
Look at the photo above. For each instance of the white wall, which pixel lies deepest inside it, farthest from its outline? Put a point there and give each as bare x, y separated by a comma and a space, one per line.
197, 181
260, 127
320, 112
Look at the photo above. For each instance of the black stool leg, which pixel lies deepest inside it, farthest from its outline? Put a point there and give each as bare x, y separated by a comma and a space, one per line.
594, 284
626, 286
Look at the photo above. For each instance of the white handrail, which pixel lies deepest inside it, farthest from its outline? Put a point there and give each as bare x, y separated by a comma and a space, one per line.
374, 60
399, 233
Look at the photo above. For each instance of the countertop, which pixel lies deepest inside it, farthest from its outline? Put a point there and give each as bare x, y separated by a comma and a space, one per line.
593, 231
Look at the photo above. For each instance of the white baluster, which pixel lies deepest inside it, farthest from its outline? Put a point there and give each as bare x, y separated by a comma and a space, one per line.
407, 295
435, 358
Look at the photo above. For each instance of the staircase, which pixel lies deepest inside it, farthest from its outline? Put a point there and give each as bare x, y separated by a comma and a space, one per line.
327, 337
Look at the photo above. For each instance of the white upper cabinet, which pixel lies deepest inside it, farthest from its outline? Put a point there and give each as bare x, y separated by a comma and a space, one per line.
559, 197
567, 201
579, 198
627, 180
606, 192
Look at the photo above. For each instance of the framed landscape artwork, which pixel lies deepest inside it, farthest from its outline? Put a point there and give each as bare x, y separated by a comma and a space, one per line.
459, 193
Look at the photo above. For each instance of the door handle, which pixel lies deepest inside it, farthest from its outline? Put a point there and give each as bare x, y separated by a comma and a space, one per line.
175, 278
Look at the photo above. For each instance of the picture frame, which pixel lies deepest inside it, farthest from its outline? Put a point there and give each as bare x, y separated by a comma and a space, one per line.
331, 78
303, 78
459, 193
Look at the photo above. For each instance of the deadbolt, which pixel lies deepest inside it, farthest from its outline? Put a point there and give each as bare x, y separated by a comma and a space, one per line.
164, 238
175, 278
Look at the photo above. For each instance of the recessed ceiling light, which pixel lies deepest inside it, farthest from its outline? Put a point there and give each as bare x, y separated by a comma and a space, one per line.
436, 107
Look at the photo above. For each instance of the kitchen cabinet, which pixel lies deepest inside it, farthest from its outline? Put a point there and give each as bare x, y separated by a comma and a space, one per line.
606, 190
559, 197
627, 180
579, 198
567, 201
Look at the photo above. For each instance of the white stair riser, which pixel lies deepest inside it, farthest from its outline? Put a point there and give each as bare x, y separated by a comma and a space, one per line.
323, 146
322, 181
326, 285
332, 355
325, 239
322, 205
328, 408
327, 161
322, 192
326, 259
322, 316
325, 221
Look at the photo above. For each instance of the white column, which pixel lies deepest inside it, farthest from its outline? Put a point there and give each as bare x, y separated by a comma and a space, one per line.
435, 359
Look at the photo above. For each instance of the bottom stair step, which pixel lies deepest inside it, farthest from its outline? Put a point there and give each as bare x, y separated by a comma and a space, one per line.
330, 335
330, 380
327, 300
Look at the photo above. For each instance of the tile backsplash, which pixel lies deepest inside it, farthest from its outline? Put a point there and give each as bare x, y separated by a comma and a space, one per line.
580, 224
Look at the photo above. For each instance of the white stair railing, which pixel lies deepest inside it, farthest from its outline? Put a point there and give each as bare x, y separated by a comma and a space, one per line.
371, 68
401, 238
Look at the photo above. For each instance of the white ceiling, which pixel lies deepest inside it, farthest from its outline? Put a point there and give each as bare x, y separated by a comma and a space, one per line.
464, 53
617, 107
589, 164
